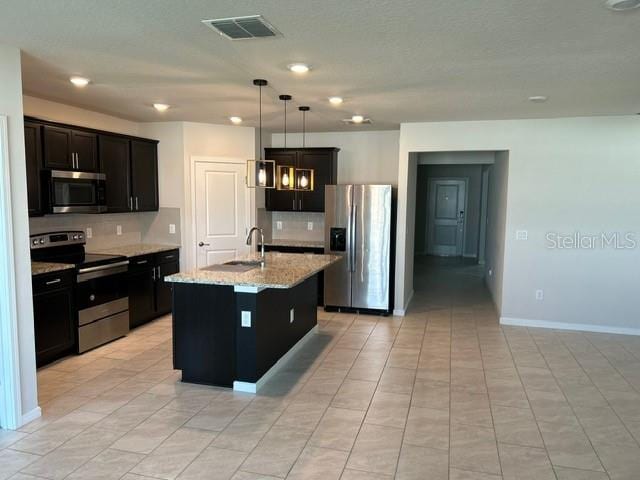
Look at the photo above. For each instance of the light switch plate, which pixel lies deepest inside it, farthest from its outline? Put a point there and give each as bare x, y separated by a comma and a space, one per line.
539, 294
278, 225
522, 234
89, 232
118, 229
245, 319
172, 228
309, 226
292, 315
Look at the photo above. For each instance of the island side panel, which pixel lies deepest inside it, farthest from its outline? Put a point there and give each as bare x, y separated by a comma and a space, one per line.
204, 333
272, 334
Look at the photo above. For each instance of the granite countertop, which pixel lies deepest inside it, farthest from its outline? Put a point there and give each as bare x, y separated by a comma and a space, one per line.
282, 270
136, 249
38, 268
295, 243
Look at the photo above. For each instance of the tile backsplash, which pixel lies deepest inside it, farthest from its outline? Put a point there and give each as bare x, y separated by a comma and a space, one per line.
148, 227
295, 226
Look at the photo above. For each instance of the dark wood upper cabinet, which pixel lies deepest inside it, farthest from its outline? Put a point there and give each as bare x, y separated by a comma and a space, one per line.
144, 175
115, 163
33, 154
57, 148
323, 161
85, 147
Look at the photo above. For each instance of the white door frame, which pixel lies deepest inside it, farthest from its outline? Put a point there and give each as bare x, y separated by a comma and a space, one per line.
190, 231
10, 397
466, 205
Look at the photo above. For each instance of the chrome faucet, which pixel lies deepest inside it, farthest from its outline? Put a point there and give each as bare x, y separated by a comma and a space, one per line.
253, 229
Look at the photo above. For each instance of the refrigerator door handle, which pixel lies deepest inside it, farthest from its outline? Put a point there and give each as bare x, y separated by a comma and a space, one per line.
354, 226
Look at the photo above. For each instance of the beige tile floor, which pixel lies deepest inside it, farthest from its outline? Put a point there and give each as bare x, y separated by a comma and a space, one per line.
444, 392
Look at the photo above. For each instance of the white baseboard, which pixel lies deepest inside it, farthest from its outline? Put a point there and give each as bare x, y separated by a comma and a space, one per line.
401, 312
31, 416
248, 387
581, 327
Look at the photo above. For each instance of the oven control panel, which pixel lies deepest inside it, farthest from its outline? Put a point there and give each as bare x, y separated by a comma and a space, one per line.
55, 239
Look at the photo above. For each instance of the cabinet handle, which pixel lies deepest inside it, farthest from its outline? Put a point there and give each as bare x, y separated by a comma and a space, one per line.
141, 262
300, 204
159, 273
53, 282
153, 274
137, 203
130, 203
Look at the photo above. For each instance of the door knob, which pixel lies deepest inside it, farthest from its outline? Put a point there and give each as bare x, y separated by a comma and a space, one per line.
202, 244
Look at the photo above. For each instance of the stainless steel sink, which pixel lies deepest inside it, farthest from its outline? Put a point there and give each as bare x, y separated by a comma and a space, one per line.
237, 266
253, 263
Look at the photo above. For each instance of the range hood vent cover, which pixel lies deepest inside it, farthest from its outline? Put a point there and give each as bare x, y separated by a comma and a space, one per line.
243, 28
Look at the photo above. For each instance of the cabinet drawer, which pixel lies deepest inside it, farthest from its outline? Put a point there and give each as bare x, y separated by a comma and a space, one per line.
167, 257
47, 282
143, 262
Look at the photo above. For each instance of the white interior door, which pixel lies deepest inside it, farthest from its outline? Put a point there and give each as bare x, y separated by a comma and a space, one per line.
221, 212
445, 231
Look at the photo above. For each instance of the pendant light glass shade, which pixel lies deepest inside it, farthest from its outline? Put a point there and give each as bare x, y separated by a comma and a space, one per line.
261, 173
285, 178
304, 179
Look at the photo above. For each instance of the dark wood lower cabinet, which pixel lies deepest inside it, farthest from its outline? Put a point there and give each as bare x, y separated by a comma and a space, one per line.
317, 250
149, 295
54, 316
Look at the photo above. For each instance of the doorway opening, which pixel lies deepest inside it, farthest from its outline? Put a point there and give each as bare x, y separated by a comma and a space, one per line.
460, 214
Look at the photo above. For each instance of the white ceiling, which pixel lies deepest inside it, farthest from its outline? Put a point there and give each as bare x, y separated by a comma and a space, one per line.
393, 61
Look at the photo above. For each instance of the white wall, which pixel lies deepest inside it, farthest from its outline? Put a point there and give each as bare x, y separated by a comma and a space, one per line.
60, 112
364, 157
495, 226
11, 106
565, 175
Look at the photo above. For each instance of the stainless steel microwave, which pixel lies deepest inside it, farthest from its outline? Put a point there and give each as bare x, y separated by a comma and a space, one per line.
76, 192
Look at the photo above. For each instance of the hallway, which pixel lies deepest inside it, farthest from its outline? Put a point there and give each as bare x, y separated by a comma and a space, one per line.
444, 393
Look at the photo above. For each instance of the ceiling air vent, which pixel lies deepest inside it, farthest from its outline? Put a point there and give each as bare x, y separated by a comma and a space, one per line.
243, 28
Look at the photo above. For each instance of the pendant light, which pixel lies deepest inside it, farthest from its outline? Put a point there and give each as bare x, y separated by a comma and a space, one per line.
286, 173
261, 173
304, 176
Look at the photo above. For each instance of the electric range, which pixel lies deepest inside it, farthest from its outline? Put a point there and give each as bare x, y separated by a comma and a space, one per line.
101, 293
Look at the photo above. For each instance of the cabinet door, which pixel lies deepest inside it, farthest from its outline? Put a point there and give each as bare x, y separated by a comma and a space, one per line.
57, 148
141, 296
33, 154
115, 163
281, 200
85, 146
144, 175
54, 324
322, 164
163, 289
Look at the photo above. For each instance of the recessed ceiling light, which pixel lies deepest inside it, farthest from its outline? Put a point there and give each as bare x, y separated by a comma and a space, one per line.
335, 100
357, 119
79, 81
236, 120
538, 99
299, 67
161, 107
622, 5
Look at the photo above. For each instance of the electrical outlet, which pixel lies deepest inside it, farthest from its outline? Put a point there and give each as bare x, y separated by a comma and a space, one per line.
172, 228
245, 319
89, 232
278, 225
490, 272
292, 315
539, 295
522, 234
118, 229
309, 226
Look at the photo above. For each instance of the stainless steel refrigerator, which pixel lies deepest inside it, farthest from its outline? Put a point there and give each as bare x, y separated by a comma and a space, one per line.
358, 226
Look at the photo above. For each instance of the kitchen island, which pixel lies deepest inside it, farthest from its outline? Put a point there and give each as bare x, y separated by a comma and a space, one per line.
232, 324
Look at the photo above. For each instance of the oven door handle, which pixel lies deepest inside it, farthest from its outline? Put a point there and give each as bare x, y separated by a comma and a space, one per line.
103, 267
